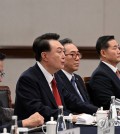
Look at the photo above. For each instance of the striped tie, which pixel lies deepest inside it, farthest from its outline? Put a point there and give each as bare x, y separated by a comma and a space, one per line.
76, 88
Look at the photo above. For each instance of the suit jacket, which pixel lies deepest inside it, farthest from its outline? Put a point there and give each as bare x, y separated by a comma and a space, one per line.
8, 126
6, 118
33, 94
104, 83
80, 84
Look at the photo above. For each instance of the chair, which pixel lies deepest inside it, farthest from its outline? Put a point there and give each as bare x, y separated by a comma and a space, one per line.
5, 97
6, 110
86, 81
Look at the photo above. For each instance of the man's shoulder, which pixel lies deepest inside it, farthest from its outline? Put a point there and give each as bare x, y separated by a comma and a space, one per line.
60, 72
102, 69
30, 72
102, 72
77, 76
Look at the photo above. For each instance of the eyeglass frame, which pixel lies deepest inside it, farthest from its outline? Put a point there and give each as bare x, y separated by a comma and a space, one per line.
75, 55
2, 74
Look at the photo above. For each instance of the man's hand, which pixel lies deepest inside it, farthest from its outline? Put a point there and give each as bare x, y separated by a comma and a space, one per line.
74, 117
33, 121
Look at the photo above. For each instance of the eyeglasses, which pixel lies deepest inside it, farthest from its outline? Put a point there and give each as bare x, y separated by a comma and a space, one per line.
2, 74
75, 55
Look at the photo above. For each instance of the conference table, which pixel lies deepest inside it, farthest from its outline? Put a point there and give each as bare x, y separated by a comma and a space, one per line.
86, 130
93, 129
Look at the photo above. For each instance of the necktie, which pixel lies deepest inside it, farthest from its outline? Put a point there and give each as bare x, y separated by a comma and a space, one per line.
75, 87
118, 74
56, 93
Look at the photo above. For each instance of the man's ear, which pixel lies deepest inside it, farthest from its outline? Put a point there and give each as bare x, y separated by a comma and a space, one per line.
103, 53
44, 56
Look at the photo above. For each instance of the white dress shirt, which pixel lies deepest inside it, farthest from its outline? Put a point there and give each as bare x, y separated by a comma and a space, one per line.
111, 66
47, 75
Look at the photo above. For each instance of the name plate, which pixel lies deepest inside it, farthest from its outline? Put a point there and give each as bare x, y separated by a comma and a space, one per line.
70, 131
106, 127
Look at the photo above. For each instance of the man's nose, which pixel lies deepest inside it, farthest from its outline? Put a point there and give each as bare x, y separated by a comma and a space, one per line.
63, 55
119, 51
0, 79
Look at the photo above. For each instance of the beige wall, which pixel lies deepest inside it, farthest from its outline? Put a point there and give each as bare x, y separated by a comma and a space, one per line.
82, 20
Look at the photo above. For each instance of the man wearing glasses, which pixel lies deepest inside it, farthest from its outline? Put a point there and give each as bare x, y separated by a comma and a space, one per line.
73, 82
39, 87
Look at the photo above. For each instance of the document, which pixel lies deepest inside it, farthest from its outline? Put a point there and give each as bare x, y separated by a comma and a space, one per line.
85, 119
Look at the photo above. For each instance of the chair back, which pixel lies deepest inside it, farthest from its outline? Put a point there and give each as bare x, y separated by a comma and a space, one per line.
5, 97
86, 81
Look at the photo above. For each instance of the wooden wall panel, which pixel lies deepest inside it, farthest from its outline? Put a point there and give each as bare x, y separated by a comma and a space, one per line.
26, 52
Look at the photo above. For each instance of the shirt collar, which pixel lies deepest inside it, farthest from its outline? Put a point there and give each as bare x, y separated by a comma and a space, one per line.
47, 75
69, 76
111, 66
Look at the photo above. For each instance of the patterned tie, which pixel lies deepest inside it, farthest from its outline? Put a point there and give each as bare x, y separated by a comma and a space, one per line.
56, 93
76, 88
118, 73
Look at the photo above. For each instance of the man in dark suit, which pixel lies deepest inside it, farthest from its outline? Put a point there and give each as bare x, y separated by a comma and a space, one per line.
33, 121
37, 89
6, 113
72, 61
104, 80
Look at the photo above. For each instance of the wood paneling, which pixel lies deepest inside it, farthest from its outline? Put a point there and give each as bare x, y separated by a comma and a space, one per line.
88, 52
26, 52
17, 51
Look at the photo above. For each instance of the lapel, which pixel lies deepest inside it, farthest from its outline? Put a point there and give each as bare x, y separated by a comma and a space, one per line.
81, 87
44, 85
108, 71
68, 84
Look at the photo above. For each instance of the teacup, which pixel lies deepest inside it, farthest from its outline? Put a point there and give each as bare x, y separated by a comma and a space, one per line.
50, 127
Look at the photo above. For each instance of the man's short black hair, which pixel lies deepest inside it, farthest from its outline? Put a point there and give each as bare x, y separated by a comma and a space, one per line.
65, 41
102, 42
41, 44
2, 56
